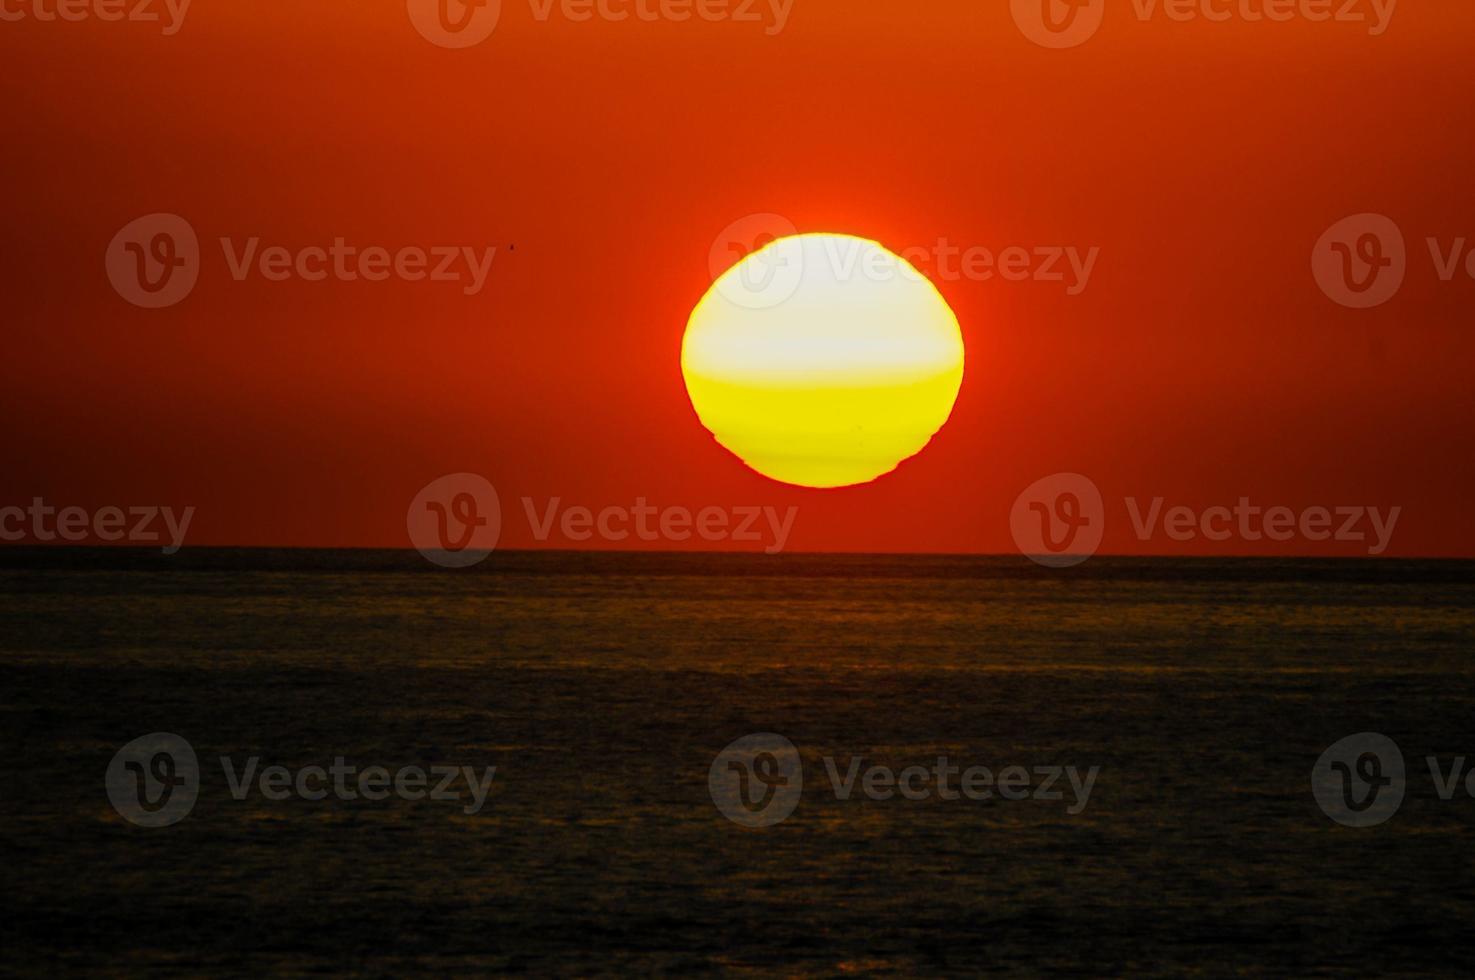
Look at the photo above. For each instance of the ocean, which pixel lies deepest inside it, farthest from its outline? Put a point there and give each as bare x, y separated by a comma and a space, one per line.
894, 818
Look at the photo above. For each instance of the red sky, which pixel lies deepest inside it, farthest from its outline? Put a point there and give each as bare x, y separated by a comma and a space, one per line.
1201, 364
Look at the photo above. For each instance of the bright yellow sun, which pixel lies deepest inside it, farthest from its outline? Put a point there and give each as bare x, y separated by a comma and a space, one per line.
823, 360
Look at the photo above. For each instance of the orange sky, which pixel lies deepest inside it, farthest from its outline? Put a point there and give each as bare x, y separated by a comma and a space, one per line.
1201, 363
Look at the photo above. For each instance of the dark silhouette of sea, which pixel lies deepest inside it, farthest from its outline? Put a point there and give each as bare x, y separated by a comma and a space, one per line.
603, 686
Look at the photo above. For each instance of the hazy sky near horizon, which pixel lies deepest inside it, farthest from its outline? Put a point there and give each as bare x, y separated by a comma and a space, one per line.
599, 160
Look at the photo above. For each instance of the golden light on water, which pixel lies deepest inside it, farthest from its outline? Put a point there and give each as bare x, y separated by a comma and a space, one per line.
823, 360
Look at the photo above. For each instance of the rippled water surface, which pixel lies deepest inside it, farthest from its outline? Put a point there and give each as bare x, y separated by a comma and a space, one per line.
602, 688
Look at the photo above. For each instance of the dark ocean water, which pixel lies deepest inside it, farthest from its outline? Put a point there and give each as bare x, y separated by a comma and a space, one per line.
602, 687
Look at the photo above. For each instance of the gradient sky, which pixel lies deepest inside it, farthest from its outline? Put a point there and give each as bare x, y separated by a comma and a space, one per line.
1201, 364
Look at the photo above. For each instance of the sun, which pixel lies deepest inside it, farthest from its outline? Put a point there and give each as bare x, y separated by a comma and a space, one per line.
823, 360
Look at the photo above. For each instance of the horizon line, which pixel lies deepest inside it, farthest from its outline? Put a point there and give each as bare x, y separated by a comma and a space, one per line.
6, 547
